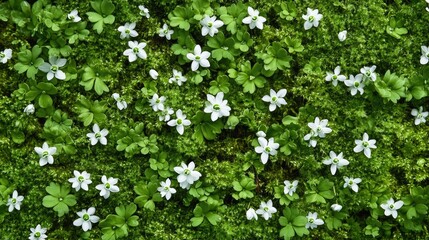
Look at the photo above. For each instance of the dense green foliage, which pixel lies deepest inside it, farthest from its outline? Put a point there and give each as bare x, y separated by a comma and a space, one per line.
245, 64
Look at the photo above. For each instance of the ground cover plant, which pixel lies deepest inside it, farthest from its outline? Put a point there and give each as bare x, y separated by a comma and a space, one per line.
195, 119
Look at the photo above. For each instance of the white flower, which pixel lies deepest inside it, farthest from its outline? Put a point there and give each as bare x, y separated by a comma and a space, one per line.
254, 20
45, 154
5, 55
336, 161
187, 175
80, 180
153, 74
210, 25
261, 134
165, 32
318, 128
276, 99
266, 210
144, 11
355, 84
313, 221
136, 50
312, 18
128, 30
198, 58
165, 114
424, 59
73, 16
157, 103
29, 109
217, 106
391, 207
251, 214
420, 115
122, 104
86, 219
177, 78
98, 135
180, 122
290, 188
266, 148
38, 233
166, 190
107, 186
352, 183
15, 201
336, 207
335, 77
342, 35
365, 145
53, 68
369, 72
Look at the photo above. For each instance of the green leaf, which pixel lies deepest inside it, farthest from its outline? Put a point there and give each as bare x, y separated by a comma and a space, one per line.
411, 213
18, 136
196, 221
45, 100
109, 19
50, 201
299, 221
61, 208
100, 86
107, 7
213, 218
287, 232
94, 17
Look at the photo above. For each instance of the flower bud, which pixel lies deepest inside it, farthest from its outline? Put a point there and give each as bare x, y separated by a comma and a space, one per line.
342, 35
153, 74
336, 207
29, 109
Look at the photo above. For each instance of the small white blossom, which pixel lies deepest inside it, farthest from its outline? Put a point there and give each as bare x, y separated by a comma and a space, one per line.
165, 32
251, 214
136, 50
15, 201
217, 106
369, 72
355, 84
187, 175
276, 99
420, 115
157, 103
335, 77
5, 55
122, 104
290, 187
180, 122
318, 129
365, 145
128, 30
424, 59
164, 115
266, 209
86, 219
38, 233
391, 207
254, 20
313, 221
198, 58
352, 183
210, 25
177, 78
336, 207
29, 109
266, 148
312, 18
53, 68
144, 11
153, 74
342, 35
107, 186
336, 161
73, 16
45, 154
80, 180
166, 190
98, 135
